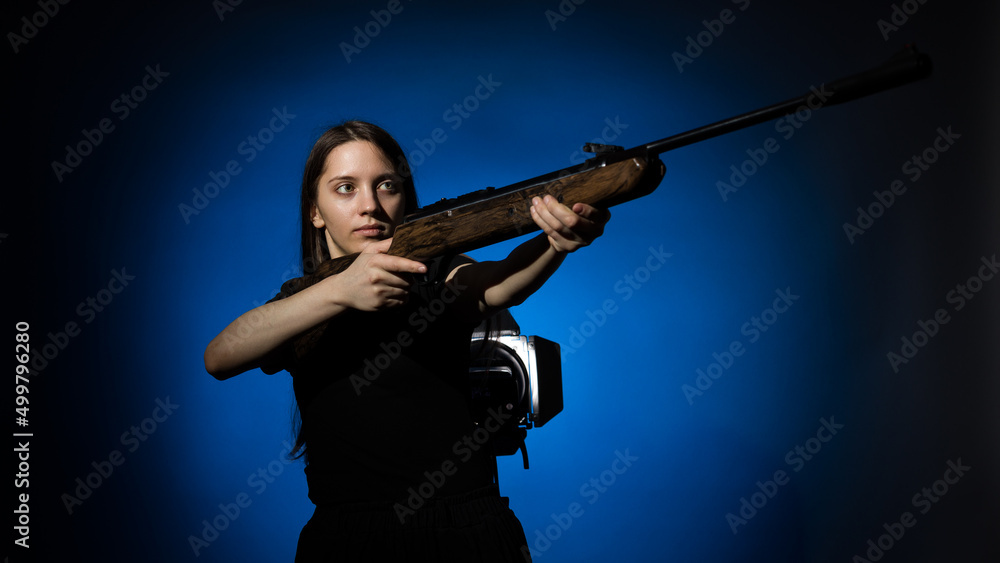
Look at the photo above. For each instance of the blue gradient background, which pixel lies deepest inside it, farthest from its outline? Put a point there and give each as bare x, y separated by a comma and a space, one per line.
823, 358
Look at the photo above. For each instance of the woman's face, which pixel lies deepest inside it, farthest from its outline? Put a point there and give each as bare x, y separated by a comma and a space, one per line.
359, 198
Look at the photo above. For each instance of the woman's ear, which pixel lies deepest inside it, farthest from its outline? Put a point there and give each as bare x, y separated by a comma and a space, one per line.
317, 219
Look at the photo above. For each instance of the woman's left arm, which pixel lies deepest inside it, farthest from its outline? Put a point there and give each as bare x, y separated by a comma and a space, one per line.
490, 286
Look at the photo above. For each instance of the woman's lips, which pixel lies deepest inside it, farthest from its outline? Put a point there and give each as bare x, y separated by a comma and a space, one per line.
370, 231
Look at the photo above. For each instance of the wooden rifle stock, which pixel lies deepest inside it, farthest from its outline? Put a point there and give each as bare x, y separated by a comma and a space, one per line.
459, 225
612, 177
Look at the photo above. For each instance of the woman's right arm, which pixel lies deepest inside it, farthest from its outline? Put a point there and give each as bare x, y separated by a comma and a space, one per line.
372, 282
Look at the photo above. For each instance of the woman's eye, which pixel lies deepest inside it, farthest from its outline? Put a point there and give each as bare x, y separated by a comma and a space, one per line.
345, 188
387, 185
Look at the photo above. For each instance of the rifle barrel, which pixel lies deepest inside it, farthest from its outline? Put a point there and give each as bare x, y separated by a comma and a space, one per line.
906, 66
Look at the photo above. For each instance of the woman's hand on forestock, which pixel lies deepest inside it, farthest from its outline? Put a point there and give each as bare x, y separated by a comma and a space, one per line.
376, 280
568, 229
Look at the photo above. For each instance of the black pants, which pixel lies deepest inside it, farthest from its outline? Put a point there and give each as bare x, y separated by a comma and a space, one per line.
475, 527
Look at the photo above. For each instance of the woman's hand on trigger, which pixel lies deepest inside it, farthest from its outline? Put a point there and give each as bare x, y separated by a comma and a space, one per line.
376, 280
568, 229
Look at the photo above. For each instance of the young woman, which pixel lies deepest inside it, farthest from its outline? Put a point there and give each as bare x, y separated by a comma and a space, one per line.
394, 459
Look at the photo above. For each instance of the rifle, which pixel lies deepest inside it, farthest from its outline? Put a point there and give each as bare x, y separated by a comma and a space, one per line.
613, 176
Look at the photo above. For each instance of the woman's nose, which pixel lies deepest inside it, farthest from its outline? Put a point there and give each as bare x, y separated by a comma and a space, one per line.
369, 203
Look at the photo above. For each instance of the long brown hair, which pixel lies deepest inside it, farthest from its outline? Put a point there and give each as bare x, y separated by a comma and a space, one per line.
314, 250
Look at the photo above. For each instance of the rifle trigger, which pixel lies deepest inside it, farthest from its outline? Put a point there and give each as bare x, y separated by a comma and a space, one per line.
599, 149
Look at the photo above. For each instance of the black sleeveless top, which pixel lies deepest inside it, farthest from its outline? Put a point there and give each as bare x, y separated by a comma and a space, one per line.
384, 399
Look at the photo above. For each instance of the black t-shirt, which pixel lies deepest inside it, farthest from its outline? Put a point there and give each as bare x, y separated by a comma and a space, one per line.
384, 400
